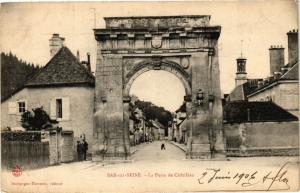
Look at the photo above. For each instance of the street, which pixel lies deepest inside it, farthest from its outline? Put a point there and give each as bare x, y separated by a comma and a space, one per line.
152, 152
155, 170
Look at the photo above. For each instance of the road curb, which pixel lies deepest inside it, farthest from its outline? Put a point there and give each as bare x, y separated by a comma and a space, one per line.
179, 146
133, 152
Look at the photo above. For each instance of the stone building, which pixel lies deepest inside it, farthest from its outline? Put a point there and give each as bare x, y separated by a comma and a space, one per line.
261, 115
281, 87
157, 130
260, 129
61, 87
186, 46
180, 129
137, 126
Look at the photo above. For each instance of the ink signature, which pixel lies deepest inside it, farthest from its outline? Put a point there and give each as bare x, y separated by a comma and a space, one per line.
248, 179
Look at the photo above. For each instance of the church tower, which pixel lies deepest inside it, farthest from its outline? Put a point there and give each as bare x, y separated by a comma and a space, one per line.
241, 74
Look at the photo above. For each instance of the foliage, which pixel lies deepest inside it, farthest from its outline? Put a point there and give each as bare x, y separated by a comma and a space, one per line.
14, 73
154, 112
20, 136
36, 120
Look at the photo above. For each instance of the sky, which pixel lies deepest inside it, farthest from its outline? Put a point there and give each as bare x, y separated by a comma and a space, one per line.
27, 27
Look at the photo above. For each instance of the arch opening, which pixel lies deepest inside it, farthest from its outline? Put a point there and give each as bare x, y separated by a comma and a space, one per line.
162, 88
165, 67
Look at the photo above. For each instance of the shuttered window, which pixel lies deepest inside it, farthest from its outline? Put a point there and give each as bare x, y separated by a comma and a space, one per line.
60, 108
17, 107
12, 108
66, 108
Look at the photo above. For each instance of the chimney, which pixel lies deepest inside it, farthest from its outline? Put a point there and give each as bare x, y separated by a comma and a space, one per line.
78, 55
87, 64
55, 43
88, 61
260, 83
292, 46
276, 59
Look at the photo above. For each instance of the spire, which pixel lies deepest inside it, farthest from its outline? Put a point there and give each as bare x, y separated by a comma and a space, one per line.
241, 48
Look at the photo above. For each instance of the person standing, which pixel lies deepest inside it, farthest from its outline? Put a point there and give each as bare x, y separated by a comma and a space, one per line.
79, 151
85, 148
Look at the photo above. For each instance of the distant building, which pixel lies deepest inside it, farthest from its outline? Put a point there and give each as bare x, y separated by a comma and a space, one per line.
158, 130
137, 126
179, 126
261, 115
63, 87
281, 87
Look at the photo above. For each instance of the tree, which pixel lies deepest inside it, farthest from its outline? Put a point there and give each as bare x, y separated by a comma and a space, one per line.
14, 73
154, 112
36, 120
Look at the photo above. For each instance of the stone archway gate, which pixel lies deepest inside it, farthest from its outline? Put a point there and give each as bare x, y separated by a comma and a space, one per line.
183, 45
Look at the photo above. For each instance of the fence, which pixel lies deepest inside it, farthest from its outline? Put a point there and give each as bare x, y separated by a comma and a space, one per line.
27, 155
29, 151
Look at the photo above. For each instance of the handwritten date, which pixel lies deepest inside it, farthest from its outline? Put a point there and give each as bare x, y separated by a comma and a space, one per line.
247, 179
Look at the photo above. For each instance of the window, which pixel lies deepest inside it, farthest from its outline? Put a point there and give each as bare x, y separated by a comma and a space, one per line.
59, 113
60, 108
22, 106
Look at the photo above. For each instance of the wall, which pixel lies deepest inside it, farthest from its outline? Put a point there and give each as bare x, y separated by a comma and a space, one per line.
27, 155
262, 138
272, 92
284, 95
155, 133
62, 147
81, 107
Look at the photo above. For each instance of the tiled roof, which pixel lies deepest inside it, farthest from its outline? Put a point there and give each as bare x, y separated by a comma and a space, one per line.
240, 92
250, 86
157, 124
237, 94
182, 108
63, 69
289, 72
243, 111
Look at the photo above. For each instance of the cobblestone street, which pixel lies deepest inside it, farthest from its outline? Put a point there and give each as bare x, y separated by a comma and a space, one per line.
155, 170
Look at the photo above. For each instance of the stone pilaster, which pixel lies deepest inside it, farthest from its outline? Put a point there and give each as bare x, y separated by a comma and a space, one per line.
218, 136
113, 142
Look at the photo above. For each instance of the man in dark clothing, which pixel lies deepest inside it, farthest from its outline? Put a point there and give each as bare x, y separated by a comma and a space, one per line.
79, 151
85, 148
162, 147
